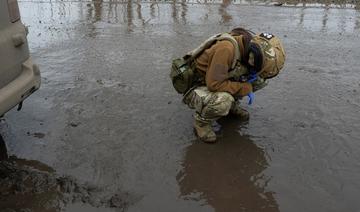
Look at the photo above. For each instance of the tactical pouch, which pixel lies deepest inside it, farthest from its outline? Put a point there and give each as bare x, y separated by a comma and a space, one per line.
181, 75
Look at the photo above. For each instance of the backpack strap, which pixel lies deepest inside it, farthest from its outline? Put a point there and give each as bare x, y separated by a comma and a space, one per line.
228, 37
192, 55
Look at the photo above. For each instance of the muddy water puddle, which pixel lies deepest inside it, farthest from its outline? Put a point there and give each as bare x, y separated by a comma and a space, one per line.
228, 176
107, 116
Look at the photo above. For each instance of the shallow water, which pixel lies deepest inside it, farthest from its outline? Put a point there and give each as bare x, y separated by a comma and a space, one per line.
110, 116
304, 3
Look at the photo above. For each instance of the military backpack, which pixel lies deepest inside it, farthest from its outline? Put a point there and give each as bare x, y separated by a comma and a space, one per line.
183, 72
184, 75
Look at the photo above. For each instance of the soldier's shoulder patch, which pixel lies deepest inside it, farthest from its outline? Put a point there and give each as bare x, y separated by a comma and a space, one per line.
266, 35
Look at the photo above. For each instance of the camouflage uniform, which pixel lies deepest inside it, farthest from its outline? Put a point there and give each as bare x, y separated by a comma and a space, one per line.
209, 106
217, 98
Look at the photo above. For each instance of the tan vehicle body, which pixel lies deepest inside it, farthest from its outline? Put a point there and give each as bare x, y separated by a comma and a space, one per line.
19, 76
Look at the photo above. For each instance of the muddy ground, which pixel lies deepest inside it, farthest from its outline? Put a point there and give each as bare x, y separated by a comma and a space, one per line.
29, 185
107, 115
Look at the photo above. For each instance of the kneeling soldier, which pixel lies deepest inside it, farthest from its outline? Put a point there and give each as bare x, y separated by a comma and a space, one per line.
223, 69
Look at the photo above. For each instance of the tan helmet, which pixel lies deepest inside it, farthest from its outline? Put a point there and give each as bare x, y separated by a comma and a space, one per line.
273, 54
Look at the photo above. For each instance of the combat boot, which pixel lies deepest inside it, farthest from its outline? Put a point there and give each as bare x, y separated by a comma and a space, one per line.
204, 131
241, 113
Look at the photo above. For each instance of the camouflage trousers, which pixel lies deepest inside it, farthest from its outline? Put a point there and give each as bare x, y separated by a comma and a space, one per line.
209, 106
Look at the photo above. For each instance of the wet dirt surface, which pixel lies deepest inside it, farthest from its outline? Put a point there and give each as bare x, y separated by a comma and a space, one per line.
29, 185
107, 115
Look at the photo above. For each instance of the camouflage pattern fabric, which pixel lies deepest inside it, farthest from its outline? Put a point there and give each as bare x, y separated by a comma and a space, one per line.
273, 52
238, 73
209, 106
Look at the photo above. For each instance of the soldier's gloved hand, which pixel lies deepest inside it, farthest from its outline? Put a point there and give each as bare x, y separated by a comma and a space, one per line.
245, 89
252, 78
251, 98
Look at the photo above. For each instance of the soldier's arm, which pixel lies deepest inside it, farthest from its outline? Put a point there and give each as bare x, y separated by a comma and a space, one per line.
217, 78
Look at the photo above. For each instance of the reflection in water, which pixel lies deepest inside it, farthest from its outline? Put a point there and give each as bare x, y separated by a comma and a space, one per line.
225, 16
139, 13
302, 14
130, 16
357, 22
184, 10
81, 10
228, 175
316, 3
325, 19
97, 6
342, 23
94, 12
51, 11
113, 11
62, 9
208, 12
174, 13
152, 8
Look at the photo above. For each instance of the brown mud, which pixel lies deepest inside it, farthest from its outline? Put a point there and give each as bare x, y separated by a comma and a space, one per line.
28, 185
107, 114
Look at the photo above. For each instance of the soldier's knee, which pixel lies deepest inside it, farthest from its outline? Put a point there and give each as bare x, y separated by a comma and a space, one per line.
224, 103
221, 104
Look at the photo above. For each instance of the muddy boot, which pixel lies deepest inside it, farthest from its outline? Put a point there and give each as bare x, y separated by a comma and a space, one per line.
239, 112
204, 131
